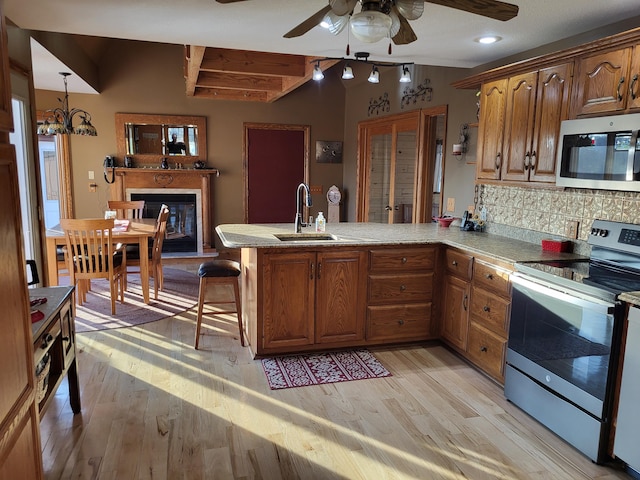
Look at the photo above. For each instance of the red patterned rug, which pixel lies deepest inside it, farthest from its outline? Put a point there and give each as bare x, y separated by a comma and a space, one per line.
320, 368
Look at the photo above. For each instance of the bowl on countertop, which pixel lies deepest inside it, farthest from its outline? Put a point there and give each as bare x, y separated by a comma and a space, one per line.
444, 221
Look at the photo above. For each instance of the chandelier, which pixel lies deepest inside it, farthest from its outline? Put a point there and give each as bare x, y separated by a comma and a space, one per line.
60, 120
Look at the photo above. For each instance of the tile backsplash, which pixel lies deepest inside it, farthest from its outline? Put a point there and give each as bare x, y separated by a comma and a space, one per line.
533, 213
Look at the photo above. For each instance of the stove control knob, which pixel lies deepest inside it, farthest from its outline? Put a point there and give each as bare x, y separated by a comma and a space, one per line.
603, 232
594, 231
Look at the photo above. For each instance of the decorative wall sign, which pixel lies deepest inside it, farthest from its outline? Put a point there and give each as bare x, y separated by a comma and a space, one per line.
381, 105
423, 92
328, 152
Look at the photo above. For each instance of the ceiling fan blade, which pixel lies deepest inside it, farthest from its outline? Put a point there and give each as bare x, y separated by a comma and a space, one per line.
487, 8
342, 7
406, 34
229, 1
308, 24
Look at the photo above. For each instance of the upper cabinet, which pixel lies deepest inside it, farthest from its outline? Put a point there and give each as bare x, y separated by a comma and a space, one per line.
607, 82
520, 123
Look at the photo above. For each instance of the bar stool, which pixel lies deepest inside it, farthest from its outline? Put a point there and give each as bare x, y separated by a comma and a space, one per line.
219, 272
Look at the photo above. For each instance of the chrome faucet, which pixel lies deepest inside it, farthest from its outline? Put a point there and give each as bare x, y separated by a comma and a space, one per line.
298, 223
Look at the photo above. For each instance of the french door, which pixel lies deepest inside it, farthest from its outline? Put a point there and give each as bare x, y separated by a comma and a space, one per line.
396, 164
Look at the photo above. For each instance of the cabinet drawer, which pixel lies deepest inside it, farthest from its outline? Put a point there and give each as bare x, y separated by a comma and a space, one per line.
400, 288
403, 259
487, 350
43, 343
399, 322
459, 264
490, 310
494, 279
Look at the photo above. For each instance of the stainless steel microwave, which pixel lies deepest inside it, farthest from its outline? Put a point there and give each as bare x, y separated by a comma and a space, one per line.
601, 153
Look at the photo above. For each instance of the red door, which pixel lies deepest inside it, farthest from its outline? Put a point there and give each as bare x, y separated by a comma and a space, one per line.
276, 164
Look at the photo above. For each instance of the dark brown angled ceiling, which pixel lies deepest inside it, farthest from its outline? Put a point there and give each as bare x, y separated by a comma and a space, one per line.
224, 74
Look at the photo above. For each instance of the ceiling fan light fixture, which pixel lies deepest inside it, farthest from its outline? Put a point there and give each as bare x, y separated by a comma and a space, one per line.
406, 76
410, 9
370, 26
334, 23
374, 76
317, 73
347, 72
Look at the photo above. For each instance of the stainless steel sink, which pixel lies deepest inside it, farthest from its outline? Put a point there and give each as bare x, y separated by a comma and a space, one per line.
305, 237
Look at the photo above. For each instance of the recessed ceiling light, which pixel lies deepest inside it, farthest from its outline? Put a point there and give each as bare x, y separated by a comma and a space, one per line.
488, 39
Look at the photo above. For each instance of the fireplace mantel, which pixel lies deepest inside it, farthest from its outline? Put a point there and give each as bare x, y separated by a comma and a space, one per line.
173, 179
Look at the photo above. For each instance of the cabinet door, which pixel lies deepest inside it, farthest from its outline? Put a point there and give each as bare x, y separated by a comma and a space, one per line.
19, 436
455, 321
633, 91
289, 288
340, 296
552, 106
601, 83
519, 117
492, 111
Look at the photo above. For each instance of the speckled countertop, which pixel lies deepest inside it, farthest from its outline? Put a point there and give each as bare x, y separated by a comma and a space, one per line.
370, 234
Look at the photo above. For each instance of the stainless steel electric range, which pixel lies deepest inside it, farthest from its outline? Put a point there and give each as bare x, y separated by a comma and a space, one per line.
565, 333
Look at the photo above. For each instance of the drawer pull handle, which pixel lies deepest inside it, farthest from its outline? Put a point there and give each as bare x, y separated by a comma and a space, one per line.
465, 301
404, 260
319, 270
486, 308
454, 263
402, 288
400, 322
483, 349
489, 276
46, 340
311, 272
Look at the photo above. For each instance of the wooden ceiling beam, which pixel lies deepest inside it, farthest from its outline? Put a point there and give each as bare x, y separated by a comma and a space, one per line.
192, 62
223, 94
239, 81
263, 63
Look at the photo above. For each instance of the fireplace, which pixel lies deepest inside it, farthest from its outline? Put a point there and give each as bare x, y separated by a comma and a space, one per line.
182, 224
187, 192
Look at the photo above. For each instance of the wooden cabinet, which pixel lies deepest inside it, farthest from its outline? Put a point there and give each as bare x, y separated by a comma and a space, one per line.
489, 318
54, 345
477, 305
490, 129
400, 285
607, 82
520, 125
455, 312
312, 298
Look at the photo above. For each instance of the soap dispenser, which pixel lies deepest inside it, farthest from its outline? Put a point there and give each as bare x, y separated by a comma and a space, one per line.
320, 222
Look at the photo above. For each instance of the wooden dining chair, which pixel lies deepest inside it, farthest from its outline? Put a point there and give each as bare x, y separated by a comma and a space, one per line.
91, 254
155, 252
131, 209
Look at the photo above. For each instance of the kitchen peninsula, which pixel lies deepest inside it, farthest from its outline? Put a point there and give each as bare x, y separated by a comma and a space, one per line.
366, 284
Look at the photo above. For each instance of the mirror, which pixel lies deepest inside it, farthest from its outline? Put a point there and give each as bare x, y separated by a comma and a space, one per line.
149, 138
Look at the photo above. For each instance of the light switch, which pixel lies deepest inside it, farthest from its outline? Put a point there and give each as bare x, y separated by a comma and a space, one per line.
92, 175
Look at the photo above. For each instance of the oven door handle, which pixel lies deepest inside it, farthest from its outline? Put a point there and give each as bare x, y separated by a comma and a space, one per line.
576, 298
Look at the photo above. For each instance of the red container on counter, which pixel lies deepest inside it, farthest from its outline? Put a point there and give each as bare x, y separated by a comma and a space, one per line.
556, 245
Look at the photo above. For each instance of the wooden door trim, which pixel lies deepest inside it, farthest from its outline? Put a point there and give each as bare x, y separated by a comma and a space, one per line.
305, 129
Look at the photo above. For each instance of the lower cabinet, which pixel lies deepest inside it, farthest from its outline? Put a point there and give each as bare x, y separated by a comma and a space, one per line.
477, 305
399, 301
312, 297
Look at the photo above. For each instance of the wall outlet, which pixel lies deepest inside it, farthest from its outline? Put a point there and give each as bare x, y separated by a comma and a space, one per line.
315, 189
572, 229
451, 204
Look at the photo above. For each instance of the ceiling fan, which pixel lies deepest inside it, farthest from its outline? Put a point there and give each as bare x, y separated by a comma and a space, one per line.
378, 19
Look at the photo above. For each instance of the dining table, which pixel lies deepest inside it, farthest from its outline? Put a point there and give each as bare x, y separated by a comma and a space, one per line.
138, 232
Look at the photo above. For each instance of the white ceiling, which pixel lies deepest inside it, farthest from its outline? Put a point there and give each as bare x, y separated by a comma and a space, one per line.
445, 35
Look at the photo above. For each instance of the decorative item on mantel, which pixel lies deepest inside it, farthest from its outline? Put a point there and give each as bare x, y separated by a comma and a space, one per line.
164, 164
381, 105
423, 92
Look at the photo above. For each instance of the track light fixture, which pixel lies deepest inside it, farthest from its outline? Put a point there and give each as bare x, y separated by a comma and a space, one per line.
317, 72
374, 76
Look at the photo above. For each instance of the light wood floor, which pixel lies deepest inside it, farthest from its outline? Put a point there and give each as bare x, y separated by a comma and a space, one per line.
154, 408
